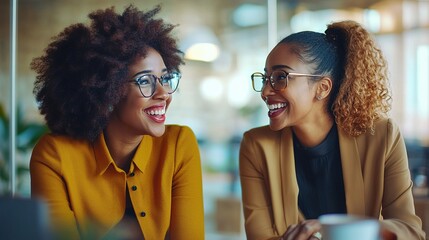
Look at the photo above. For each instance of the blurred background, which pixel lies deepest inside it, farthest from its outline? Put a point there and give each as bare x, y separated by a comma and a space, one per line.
224, 41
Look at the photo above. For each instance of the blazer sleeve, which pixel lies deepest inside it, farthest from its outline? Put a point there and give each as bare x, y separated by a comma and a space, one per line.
257, 208
187, 210
47, 184
398, 205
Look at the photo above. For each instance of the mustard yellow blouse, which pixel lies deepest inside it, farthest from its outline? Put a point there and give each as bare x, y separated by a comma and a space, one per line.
85, 190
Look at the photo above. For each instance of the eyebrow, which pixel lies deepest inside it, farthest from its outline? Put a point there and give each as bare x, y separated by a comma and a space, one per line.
276, 67
148, 71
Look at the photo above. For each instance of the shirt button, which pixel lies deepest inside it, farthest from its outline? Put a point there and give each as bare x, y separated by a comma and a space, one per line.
133, 188
132, 174
142, 214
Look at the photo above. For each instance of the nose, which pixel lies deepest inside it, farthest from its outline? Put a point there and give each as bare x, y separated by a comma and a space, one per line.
267, 90
160, 91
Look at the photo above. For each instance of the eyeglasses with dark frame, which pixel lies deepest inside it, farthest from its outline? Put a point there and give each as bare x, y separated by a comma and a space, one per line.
147, 82
278, 79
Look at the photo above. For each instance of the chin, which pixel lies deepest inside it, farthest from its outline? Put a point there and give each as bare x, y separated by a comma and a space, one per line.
158, 132
276, 127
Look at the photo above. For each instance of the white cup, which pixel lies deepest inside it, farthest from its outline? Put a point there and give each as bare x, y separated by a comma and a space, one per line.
349, 227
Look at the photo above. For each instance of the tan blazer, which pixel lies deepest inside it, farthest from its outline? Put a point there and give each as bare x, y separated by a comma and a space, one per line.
376, 180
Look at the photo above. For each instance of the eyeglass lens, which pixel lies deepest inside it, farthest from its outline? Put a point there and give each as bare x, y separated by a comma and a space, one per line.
278, 80
148, 83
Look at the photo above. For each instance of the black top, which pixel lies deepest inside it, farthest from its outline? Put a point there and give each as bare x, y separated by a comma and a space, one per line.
320, 177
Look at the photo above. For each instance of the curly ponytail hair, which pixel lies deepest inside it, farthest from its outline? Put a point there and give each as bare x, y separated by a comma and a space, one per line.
364, 95
83, 71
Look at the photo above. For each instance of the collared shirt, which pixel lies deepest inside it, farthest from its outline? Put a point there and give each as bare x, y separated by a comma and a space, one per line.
86, 191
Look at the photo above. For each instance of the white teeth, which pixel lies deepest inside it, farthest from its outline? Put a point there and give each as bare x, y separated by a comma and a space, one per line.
276, 106
156, 112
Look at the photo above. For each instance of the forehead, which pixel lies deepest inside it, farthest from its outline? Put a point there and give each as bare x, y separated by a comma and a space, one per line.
286, 55
151, 62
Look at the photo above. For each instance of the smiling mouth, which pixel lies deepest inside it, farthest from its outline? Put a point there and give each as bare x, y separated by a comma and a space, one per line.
155, 111
276, 109
276, 106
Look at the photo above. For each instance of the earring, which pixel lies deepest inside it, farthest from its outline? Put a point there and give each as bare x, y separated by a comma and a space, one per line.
319, 97
110, 108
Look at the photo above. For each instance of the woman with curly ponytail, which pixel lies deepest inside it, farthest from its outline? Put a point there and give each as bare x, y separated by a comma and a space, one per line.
330, 146
110, 168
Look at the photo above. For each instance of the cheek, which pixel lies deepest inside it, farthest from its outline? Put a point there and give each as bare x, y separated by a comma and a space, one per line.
127, 110
299, 96
169, 100
133, 104
138, 105
134, 96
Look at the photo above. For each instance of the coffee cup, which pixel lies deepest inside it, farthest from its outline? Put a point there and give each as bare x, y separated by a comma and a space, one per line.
349, 227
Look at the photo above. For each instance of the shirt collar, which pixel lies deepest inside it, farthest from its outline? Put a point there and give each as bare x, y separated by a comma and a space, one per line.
143, 153
102, 155
104, 159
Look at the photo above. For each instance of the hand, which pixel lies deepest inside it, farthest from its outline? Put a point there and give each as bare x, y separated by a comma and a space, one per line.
388, 235
302, 231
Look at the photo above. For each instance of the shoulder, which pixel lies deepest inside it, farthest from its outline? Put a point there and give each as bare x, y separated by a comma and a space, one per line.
263, 139
59, 146
264, 132
385, 128
177, 133
181, 142
390, 127
386, 136
54, 150
177, 129
260, 131
174, 130
59, 141
386, 124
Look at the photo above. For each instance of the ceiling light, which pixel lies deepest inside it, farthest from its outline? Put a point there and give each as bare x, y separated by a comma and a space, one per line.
200, 44
206, 52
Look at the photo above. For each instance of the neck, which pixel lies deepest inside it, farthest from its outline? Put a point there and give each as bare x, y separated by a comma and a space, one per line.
312, 134
121, 146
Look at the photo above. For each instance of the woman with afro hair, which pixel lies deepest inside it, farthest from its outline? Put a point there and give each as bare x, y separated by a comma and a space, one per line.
110, 167
330, 147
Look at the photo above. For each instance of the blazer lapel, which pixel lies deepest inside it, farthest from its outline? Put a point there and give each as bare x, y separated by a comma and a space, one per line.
283, 184
289, 184
352, 174
272, 150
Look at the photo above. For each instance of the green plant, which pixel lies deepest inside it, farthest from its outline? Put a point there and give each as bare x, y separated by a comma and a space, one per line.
27, 134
